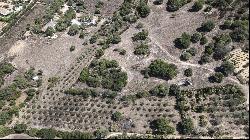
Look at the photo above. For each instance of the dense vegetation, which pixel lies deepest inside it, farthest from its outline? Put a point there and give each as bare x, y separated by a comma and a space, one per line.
104, 73
159, 68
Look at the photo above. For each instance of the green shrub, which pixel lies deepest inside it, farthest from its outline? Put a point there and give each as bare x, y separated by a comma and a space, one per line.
140, 36
99, 53
101, 133
186, 126
198, 5
174, 5
143, 9
196, 37
73, 30
104, 73
20, 128
72, 48
142, 49
46, 133
142, 94
162, 126
84, 75
5, 131
158, 2
185, 56
208, 26
188, 72
217, 77
203, 40
183, 42
227, 68
192, 51
160, 90
50, 31
174, 90
117, 116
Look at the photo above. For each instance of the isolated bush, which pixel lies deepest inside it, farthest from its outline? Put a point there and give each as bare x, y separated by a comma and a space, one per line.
73, 30
185, 56
196, 37
72, 48
93, 39
183, 42
142, 94
205, 58
192, 51
162, 126
140, 36
222, 40
99, 53
198, 5
84, 75
227, 24
174, 5
188, 72
216, 77
117, 116
208, 26
239, 35
143, 9
158, 2
142, 49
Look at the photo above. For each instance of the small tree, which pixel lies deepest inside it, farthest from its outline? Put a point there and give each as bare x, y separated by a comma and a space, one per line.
143, 9
158, 2
187, 126
217, 77
208, 26
160, 90
117, 116
50, 31
183, 42
73, 30
188, 72
203, 40
196, 37
227, 68
162, 126
185, 56
174, 90
198, 5
72, 48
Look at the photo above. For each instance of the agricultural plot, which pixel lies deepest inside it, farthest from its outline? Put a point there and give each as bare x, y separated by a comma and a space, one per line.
149, 68
240, 60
